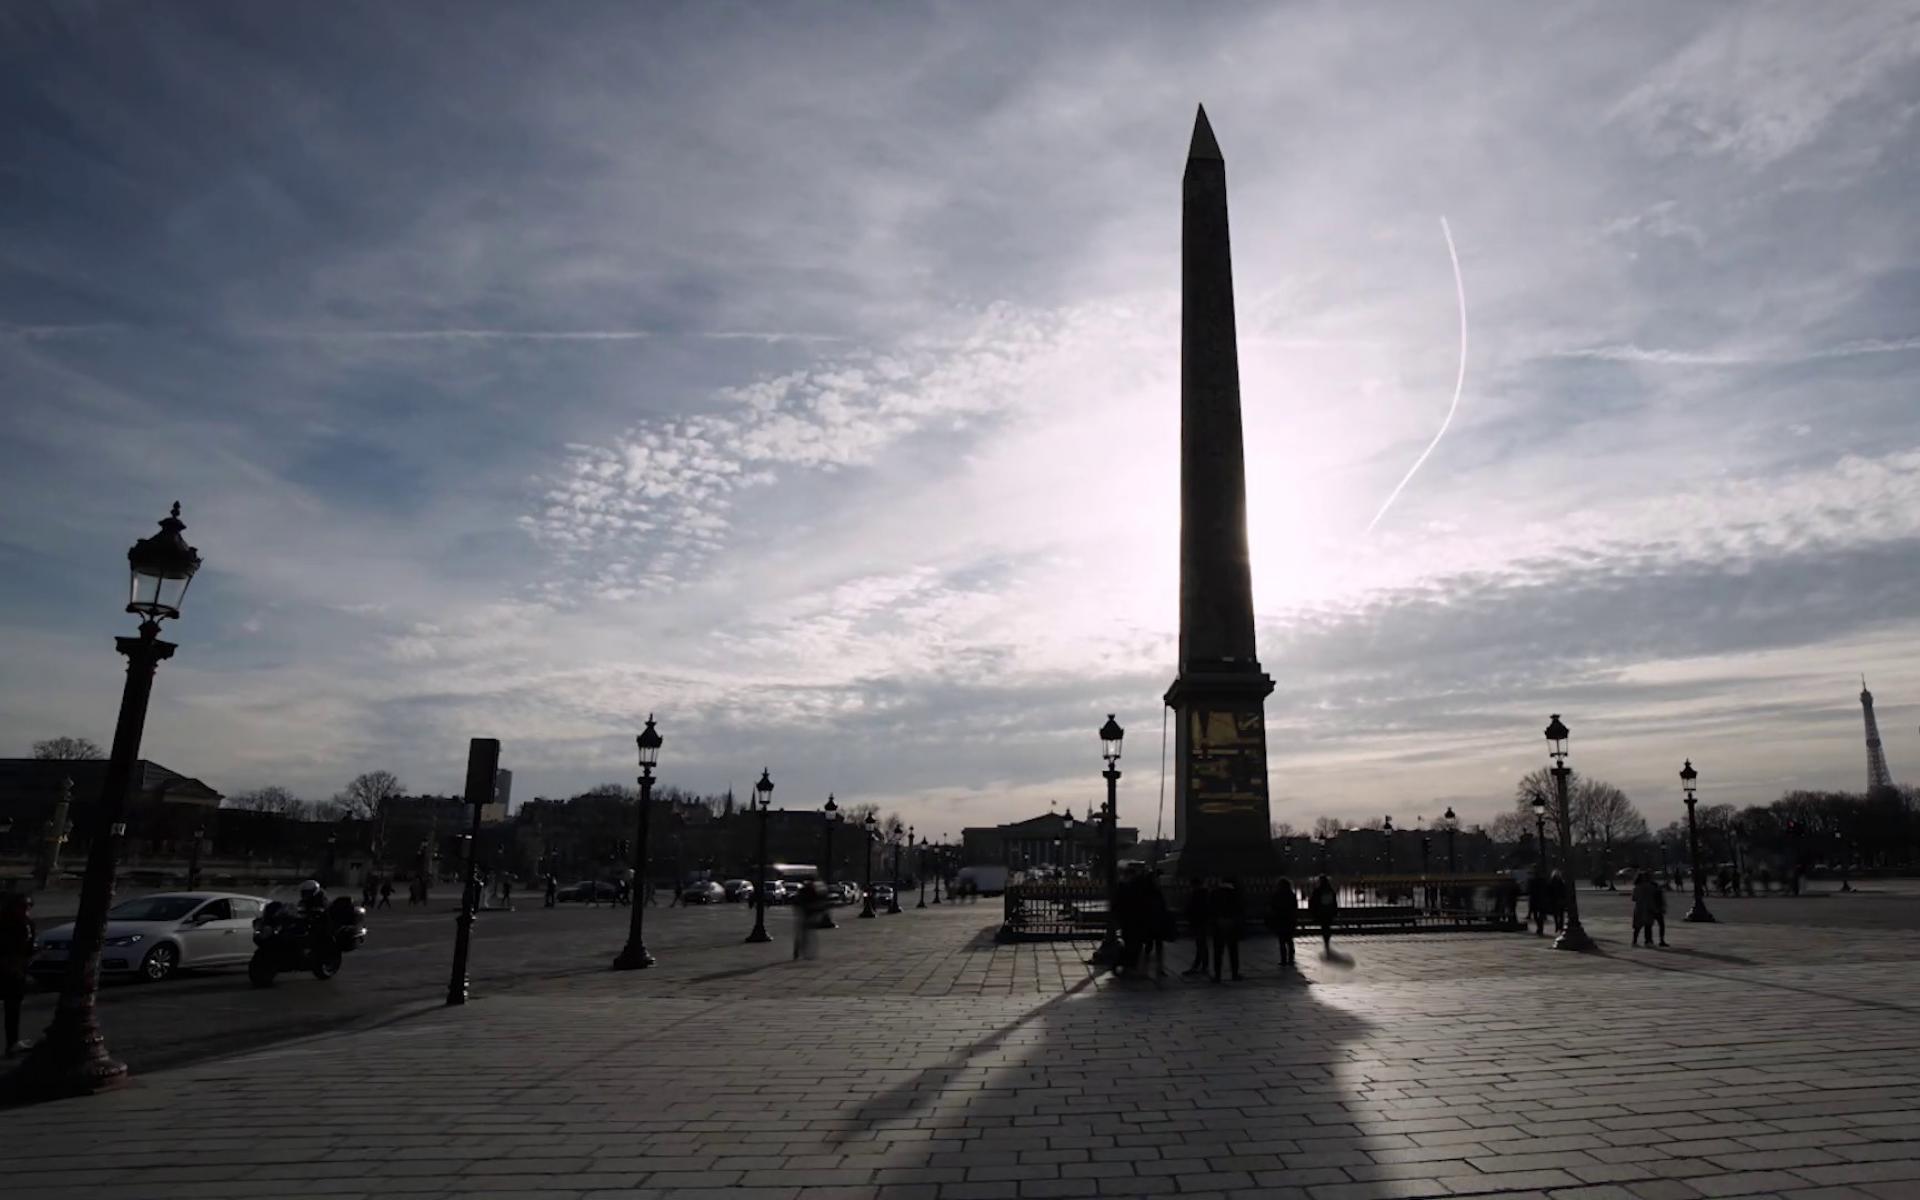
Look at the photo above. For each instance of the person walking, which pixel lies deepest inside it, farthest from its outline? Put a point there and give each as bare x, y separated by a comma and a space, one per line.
1283, 918
506, 892
1649, 909
1229, 910
1130, 918
1161, 927
1557, 900
1537, 902
1200, 922
17, 939
1324, 904
808, 907
386, 894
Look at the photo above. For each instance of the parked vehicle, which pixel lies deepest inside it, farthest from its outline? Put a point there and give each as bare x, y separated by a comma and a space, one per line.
882, 893
588, 889
844, 893
286, 939
151, 937
704, 892
738, 890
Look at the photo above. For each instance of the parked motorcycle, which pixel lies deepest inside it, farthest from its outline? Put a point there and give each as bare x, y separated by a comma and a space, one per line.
285, 939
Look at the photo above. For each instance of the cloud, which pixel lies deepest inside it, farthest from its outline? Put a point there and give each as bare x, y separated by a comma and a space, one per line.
819, 389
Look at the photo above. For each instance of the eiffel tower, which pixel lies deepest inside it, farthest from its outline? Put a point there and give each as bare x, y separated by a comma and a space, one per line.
1877, 774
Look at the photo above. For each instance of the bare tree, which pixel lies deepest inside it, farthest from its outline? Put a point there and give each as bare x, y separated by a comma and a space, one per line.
65, 747
1512, 828
1605, 814
272, 798
1539, 783
368, 794
1326, 827
1280, 829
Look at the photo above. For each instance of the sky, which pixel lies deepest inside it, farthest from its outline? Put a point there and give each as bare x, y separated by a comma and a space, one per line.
808, 376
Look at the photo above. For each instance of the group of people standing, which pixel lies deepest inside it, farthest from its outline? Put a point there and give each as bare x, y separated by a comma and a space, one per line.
1216, 917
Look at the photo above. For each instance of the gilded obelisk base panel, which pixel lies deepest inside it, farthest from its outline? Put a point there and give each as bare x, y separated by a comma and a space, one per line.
1222, 819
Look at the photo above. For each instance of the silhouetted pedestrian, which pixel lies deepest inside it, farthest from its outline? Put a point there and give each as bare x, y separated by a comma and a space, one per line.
1537, 902
1324, 905
1229, 910
386, 894
1161, 926
808, 909
1283, 917
1646, 901
1199, 922
506, 892
16, 951
1130, 918
1557, 900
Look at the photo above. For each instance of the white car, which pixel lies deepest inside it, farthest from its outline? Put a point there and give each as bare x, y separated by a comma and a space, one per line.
150, 937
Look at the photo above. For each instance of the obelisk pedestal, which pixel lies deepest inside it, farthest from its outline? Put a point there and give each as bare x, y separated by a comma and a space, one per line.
1221, 820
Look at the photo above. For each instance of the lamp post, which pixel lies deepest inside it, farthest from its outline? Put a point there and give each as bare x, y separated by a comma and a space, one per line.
893, 902
193, 859
872, 832
1110, 952
1326, 850
326, 869
833, 819
920, 869
72, 1059
634, 955
1846, 861
939, 868
1386, 827
483, 769
762, 803
1451, 824
1573, 937
1699, 911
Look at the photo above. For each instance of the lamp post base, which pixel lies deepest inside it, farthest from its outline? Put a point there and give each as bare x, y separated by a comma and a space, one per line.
1698, 914
866, 910
759, 934
59, 1069
633, 958
922, 904
1574, 938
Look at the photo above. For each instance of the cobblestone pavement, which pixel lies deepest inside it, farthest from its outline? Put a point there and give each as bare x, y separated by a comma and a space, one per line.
915, 1058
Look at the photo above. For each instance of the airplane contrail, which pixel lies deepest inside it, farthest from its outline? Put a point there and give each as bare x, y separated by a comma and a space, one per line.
1459, 379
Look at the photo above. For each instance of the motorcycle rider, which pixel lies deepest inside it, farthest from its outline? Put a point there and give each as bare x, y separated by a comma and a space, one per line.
313, 899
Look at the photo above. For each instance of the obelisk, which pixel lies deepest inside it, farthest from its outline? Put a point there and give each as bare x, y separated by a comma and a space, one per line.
1220, 744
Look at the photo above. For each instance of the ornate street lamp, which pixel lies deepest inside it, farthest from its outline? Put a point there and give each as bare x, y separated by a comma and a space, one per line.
939, 868
1386, 856
1451, 824
1540, 827
832, 822
920, 869
1573, 937
762, 802
1110, 952
872, 835
326, 871
1699, 910
72, 1059
634, 955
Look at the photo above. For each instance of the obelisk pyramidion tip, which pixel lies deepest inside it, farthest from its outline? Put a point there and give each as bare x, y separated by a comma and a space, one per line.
1203, 144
